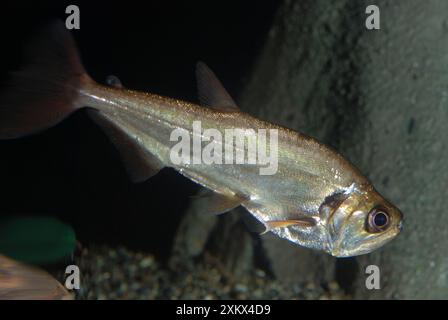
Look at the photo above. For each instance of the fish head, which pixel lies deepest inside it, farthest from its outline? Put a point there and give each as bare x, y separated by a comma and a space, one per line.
362, 222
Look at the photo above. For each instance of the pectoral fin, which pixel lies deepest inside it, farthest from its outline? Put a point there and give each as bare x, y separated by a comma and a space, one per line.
216, 203
211, 92
301, 222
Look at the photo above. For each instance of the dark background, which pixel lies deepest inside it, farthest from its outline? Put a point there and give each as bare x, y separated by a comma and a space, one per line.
378, 96
72, 171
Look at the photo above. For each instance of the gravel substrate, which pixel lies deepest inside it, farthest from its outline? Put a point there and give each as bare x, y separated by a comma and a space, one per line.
118, 273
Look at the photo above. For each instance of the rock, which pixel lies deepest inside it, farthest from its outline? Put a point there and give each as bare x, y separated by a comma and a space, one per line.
202, 281
404, 147
307, 75
380, 98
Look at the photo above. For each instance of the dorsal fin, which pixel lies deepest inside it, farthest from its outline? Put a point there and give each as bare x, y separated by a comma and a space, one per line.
211, 92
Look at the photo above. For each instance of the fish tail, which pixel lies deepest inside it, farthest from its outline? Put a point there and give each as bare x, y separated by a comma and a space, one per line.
48, 87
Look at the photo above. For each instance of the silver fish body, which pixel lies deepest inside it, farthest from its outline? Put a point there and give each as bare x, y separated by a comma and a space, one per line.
316, 198
308, 171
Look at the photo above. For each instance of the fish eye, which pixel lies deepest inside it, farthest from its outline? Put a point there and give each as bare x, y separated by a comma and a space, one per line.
378, 220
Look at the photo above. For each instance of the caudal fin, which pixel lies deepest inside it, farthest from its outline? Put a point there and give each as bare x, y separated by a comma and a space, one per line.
46, 90
22, 282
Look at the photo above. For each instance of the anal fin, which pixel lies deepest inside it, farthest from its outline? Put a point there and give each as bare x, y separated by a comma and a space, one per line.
216, 203
139, 163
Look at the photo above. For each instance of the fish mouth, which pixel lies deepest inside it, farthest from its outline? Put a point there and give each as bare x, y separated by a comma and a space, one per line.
356, 251
364, 245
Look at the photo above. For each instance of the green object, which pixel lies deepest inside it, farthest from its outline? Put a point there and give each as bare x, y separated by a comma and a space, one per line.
36, 240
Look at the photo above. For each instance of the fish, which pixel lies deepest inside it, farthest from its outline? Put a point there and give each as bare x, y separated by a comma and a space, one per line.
314, 198
19, 281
